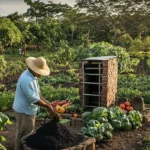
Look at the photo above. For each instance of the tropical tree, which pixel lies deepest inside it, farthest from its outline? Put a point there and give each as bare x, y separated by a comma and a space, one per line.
50, 34
117, 17
9, 33
39, 10
35, 11
16, 18
70, 22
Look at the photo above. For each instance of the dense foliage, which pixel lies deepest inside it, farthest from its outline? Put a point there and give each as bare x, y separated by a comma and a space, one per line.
116, 22
131, 85
102, 121
74, 32
65, 35
9, 33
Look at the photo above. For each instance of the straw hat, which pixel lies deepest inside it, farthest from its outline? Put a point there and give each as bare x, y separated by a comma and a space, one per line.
38, 65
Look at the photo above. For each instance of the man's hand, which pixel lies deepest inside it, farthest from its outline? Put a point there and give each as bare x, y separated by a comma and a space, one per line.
51, 111
53, 115
57, 117
45, 105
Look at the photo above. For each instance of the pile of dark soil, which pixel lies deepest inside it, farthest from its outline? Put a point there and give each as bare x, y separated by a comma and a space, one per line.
53, 136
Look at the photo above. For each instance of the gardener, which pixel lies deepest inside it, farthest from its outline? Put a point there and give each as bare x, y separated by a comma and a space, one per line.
28, 98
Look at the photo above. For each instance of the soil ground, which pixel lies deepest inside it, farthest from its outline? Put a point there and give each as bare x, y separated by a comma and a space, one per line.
131, 140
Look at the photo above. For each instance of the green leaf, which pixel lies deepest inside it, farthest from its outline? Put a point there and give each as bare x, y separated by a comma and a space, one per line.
3, 117
63, 121
1, 128
9, 122
2, 138
2, 147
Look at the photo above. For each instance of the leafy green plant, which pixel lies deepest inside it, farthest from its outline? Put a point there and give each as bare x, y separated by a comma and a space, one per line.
6, 100
140, 47
128, 93
15, 67
2, 67
59, 78
3, 120
125, 63
132, 85
51, 93
102, 121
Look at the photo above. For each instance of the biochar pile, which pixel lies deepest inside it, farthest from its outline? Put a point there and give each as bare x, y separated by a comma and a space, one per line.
53, 136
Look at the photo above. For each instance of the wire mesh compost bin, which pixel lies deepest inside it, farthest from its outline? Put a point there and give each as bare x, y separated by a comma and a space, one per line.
98, 81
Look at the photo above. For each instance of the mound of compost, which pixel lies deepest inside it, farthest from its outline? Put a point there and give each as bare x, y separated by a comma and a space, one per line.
53, 136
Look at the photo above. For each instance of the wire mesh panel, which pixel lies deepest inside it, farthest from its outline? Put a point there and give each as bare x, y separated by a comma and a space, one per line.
91, 84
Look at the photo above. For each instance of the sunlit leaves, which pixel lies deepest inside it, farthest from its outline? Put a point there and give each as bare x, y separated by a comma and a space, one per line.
9, 33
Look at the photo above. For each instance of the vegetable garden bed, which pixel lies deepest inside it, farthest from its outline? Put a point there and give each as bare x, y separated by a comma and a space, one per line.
129, 140
56, 136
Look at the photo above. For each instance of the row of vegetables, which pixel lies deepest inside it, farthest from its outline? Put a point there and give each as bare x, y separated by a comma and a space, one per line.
61, 106
66, 106
101, 121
